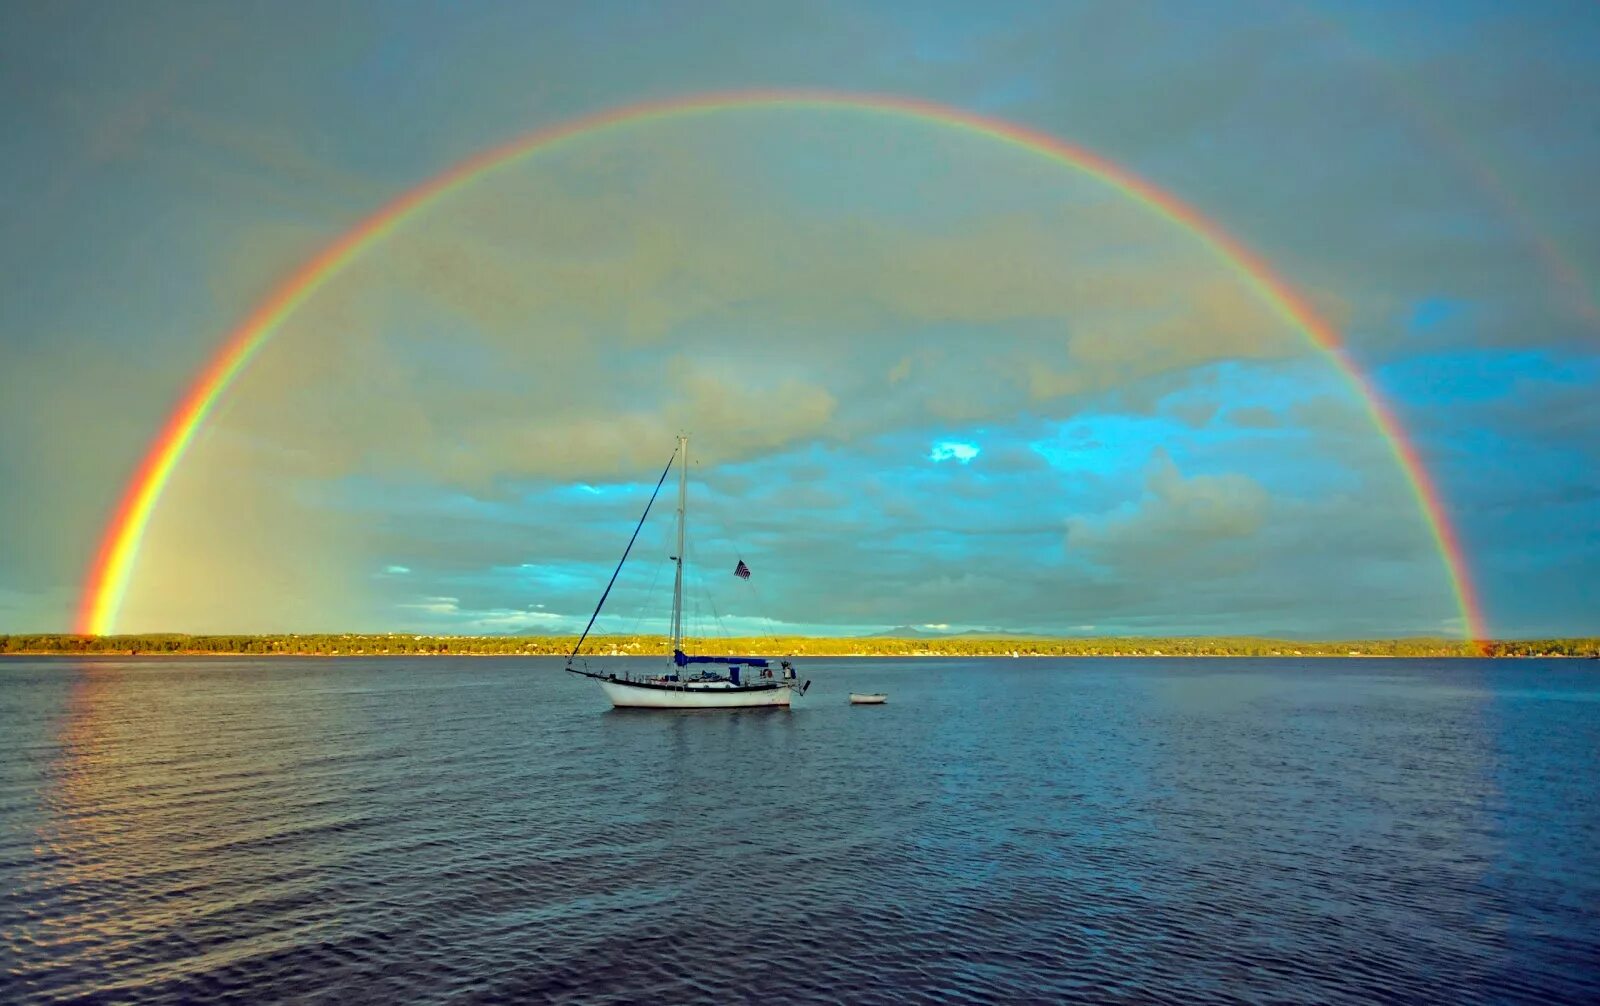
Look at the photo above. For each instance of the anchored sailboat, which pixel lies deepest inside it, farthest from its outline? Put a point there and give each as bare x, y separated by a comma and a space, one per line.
749, 681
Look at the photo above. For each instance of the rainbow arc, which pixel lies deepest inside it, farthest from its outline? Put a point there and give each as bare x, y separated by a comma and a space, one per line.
114, 561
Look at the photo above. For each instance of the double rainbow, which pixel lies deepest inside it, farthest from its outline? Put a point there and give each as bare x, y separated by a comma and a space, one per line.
114, 561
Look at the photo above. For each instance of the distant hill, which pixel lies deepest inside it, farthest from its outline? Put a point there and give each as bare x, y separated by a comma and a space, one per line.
901, 632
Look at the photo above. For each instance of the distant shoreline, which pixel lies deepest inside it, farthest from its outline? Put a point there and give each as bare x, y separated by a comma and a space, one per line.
411, 645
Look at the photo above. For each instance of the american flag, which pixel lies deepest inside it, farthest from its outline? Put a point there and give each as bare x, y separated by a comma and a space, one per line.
742, 571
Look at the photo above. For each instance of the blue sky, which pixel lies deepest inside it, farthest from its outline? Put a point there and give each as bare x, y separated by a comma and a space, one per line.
457, 434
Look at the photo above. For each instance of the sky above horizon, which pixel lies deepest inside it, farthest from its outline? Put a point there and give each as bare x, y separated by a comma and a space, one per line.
930, 379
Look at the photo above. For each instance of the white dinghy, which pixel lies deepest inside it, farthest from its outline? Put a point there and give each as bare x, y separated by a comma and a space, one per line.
868, 698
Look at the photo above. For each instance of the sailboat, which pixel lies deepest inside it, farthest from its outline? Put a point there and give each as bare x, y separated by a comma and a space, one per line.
746, 682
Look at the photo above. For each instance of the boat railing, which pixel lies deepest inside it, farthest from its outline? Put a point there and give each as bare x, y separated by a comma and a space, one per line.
683, 682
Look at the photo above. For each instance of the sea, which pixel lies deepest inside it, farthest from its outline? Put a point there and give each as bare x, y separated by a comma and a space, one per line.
463, 830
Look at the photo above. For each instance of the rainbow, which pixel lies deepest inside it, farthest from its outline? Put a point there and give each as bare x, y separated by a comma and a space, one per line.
108, 578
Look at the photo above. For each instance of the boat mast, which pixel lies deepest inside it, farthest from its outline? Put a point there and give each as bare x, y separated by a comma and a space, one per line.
677, 582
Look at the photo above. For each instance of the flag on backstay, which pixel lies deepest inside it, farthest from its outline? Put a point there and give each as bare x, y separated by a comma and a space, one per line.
742, 571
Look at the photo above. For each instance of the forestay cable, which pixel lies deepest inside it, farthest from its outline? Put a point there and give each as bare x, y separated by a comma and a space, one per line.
624, 559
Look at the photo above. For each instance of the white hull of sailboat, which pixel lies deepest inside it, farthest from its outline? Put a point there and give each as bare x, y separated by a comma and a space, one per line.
627, 695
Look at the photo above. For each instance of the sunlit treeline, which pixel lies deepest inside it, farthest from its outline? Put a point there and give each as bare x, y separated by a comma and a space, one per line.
351, 644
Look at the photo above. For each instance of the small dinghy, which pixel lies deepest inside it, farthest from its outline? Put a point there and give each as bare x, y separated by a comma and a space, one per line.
867, 698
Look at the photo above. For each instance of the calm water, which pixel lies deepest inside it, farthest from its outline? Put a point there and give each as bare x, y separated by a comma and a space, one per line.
1135, 831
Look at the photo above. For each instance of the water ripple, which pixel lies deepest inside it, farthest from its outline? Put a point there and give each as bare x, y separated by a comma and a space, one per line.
1003, 831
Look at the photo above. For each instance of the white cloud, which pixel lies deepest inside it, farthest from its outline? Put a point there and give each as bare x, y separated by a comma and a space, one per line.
436, 605
1177, 519
946, 450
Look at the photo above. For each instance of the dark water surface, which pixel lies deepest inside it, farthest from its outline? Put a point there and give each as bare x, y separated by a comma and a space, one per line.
428, 830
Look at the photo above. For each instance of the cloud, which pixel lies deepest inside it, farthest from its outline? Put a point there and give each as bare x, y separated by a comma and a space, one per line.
559, 319
445, 614
815, 297
1012, 459
1253, 417
948, 450
436, 605
1179, 519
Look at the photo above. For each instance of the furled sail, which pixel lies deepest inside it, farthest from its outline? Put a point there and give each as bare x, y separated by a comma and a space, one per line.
683, 660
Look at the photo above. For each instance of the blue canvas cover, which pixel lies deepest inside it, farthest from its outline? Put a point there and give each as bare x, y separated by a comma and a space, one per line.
683, 660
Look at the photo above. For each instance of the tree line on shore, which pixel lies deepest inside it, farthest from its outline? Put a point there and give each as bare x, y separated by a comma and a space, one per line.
402, 644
